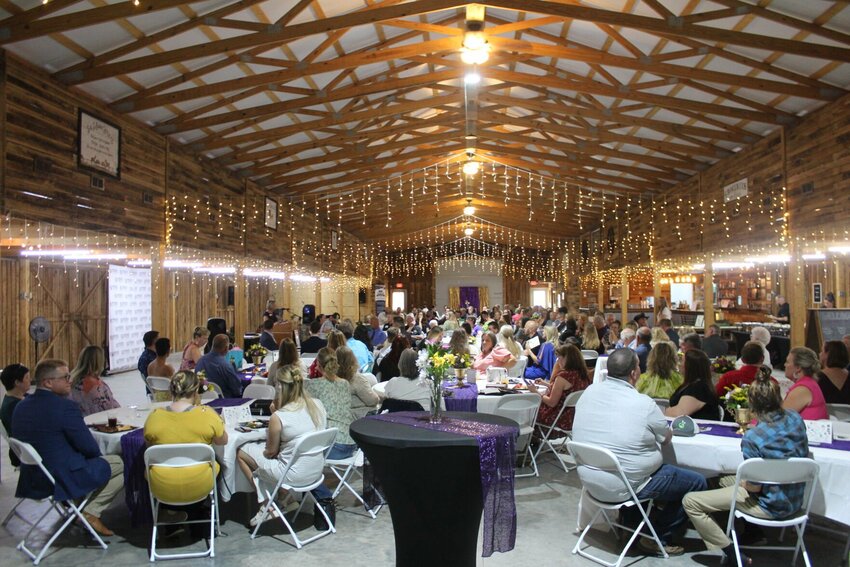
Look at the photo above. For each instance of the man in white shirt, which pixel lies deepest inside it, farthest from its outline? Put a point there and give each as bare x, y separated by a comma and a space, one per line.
613, 415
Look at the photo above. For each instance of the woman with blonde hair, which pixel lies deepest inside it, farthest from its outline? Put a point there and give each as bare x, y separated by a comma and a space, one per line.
542, 364
295, 413
506, 341
90, 392
661, 378
590, 338
335, 340
805, 396
658, 336
193, 351
363, 398
451, 322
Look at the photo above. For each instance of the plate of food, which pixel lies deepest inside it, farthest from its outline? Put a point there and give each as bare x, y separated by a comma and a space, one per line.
118, 428
252, 425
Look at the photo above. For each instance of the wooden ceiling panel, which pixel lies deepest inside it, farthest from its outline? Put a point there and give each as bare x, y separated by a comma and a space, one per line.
324, 101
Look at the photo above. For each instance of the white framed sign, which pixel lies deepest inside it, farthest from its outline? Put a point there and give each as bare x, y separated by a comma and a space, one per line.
271, 214
98, 145
735, 190
817, 293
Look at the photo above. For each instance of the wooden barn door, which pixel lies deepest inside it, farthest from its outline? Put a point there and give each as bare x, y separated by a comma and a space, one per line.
74, 300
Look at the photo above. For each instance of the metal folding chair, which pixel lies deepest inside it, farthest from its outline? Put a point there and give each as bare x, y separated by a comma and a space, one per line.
14, 511
545, 431
523, 409
68, 510
345, 470
259, 391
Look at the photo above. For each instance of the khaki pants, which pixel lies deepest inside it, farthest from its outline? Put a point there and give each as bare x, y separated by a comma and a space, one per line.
103, 497
700, 505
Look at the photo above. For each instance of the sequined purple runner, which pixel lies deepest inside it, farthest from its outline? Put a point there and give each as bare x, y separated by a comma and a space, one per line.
730, 431
229, 402
135, 484
462, 399
496, 446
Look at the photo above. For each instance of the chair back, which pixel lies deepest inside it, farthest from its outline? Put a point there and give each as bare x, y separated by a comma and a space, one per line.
520, 408
27, 454
3, 432
838, 412
572, 399
662, 403
600, 459
215, 388
309, 455
259, 392
181, 456
392, 405
796, 470
258, 380
518, 369
160, 387
589, 354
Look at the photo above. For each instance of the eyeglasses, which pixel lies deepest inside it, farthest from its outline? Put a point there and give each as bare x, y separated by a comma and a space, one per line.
65, 377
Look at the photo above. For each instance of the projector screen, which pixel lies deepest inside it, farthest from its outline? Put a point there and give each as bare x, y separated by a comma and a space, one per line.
129, 294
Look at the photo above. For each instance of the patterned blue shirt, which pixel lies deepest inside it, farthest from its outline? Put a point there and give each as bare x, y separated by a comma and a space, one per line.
779, 435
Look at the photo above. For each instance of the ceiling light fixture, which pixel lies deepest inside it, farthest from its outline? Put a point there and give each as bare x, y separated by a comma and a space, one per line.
469, 231
472, 78
469, 210
471, 167
475, 49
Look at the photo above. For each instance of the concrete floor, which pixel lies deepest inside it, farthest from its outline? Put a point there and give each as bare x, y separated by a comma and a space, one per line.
546, 510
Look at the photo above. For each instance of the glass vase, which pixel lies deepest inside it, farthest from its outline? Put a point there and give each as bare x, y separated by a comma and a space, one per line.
436, 413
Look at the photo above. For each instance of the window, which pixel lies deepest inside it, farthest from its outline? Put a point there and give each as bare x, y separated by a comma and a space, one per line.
540, 296
397, 299
681, 292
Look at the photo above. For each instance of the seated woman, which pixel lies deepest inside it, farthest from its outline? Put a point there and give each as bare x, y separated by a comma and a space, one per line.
572, 377
760, 335
661, 379
459, 343
363, 398
492, 354
295, 413
805, 396
658, 336
832, 379
507, 341
541, 364
184, 421
194, 349
590, 339
87, 389
160, 367
16, 380
287, 354
407, 385
695, 397
335, 395
335, 340
389, 364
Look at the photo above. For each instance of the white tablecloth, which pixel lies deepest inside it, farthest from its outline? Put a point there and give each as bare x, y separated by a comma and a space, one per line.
486, 403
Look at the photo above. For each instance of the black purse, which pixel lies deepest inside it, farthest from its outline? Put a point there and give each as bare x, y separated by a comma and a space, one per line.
329, 507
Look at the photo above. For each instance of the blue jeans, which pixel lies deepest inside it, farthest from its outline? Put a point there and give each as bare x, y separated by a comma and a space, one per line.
669, 485
338, 451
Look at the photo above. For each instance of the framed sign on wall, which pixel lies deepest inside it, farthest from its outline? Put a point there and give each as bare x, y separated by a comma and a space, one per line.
271, 214
98, 145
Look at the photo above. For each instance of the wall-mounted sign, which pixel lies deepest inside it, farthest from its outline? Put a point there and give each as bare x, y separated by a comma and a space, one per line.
817, 293
735, 190
98, 145
271, 214
380, 298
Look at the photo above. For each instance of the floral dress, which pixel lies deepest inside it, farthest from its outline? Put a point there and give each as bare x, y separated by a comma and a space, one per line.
336, 397
93, 395
548, 415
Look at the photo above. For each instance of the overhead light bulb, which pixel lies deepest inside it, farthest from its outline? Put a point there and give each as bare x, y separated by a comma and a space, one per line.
469, 210
470, 167
472, 78
468, 231
474, 40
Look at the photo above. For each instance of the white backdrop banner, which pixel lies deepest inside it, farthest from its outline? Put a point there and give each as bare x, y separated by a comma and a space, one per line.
129, 295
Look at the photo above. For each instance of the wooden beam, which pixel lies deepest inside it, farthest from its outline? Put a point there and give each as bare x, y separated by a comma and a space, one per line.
275, 35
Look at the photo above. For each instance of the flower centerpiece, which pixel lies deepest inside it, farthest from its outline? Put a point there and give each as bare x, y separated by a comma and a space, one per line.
257, 352
461, 363
722, 365
737, 403
434, 364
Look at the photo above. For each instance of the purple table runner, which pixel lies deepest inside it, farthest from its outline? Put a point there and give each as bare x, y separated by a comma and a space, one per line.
718, 430
229, 402
136, 494
496, 447
462, 399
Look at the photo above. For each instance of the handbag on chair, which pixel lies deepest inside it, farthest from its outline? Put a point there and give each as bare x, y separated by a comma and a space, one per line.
329, 507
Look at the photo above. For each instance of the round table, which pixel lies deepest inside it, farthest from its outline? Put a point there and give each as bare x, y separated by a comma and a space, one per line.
431, 480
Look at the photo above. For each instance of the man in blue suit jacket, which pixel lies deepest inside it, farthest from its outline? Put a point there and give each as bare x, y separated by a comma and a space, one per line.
54, 426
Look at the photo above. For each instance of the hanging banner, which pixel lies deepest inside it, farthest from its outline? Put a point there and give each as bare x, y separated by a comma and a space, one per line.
735, 190
380, 298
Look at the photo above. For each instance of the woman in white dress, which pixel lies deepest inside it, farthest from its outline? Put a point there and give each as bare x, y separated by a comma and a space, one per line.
295, 413
408, 386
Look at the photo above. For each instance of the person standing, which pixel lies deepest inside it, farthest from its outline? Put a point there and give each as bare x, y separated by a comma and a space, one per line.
54, 426
783, 313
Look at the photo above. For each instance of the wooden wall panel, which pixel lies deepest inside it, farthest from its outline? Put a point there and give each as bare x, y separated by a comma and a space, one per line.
196, 299
675, 229
13, 324
818, 163
516, 291
420, 289
41, 122
261, 241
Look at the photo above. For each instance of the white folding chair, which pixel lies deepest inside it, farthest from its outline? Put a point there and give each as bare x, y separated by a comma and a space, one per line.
345, 469
313, 448
518, 369
838, 412
545, 431
215, 392
587, 354
259, 392
258, 380
67, 509
183, 456
770, 472
13, 512
160, 388
522, 409
662, 403
600, 459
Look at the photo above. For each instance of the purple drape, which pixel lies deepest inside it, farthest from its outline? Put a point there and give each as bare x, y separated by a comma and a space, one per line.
469, 294
496, 446
462, 399
135, 484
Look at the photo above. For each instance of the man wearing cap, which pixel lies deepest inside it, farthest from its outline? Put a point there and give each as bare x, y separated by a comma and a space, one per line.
640, 319
613, 415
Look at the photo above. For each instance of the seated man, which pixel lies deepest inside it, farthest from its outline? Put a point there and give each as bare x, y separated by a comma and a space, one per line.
315, 342
642, 347
667, 326
267, 340
752, 356
377, 336
365, 359
713, 344
219, 370
52, 423
149, 354
779, 434
613, 415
